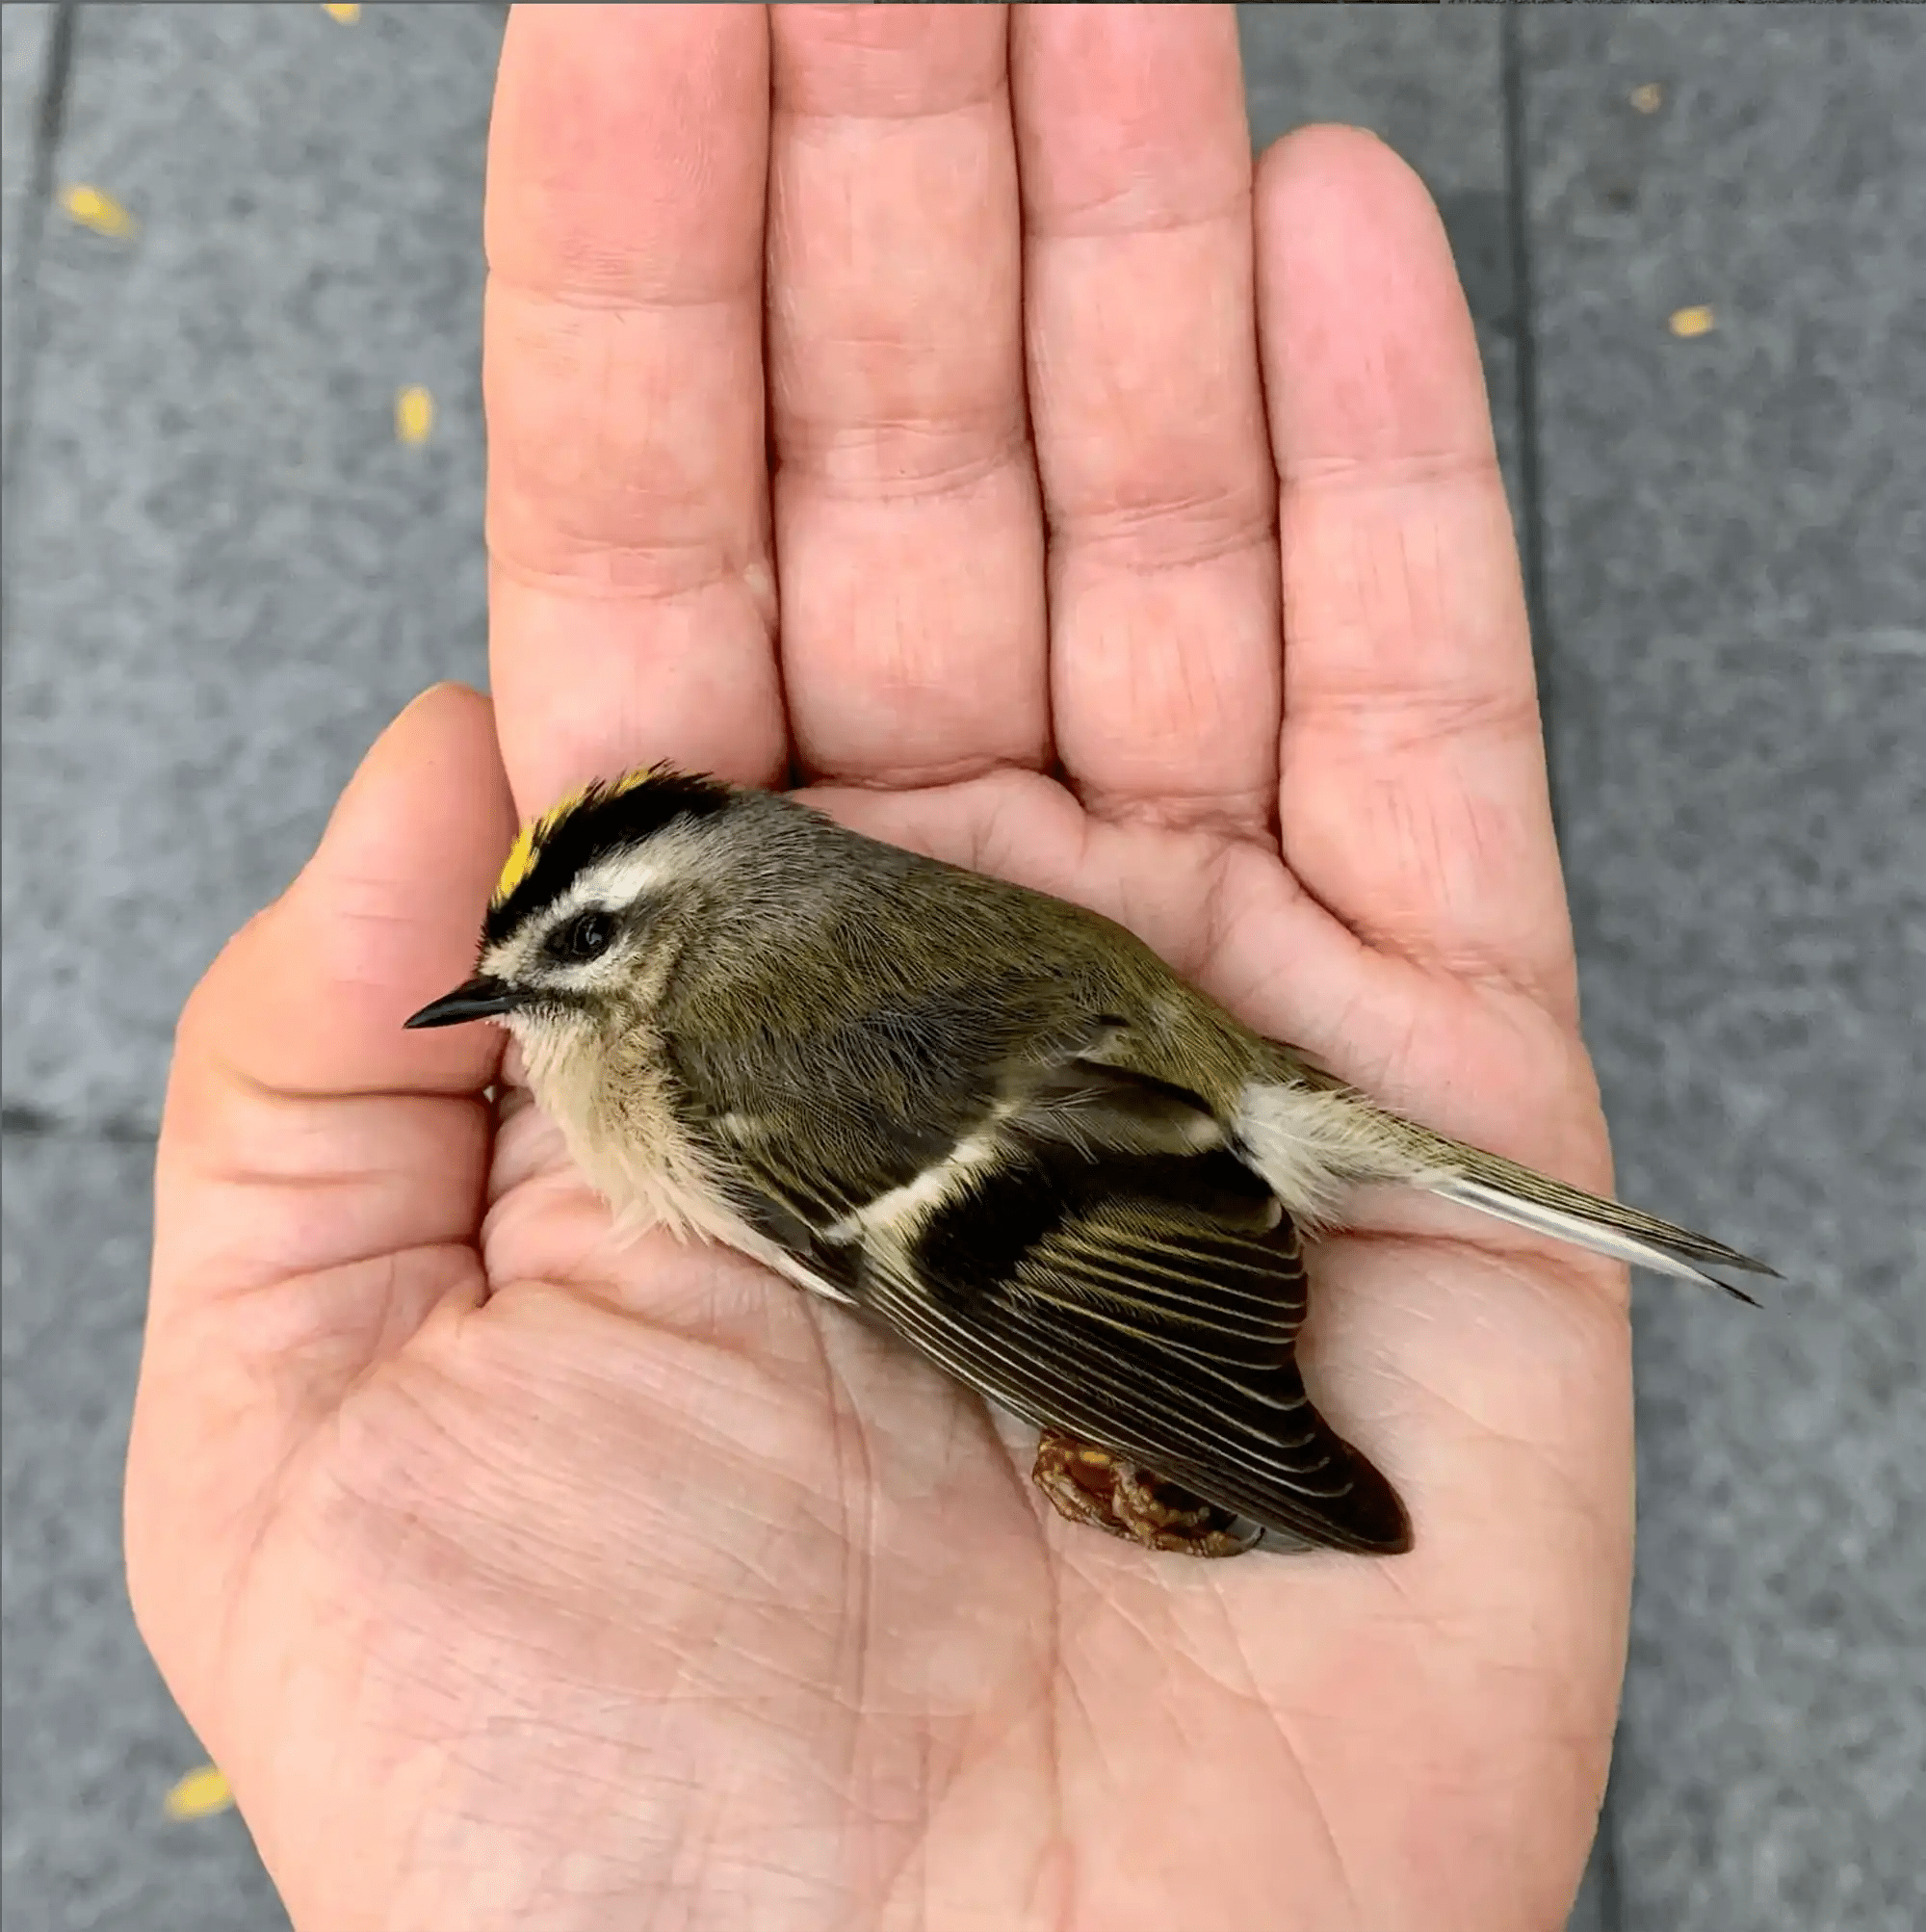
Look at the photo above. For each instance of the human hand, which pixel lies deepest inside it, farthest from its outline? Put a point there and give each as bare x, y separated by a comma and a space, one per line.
519, 1578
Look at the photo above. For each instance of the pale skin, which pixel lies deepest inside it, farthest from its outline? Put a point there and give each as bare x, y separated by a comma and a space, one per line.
1137, 537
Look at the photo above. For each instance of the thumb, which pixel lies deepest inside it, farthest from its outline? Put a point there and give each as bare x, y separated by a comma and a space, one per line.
291, 1066
320, 1174
308, 999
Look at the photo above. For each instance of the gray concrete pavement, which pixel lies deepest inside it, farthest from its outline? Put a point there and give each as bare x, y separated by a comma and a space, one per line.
1735, 531
226, 573
223, 574
92, 1740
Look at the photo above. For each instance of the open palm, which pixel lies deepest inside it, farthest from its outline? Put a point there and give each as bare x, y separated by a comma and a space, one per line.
1136, 535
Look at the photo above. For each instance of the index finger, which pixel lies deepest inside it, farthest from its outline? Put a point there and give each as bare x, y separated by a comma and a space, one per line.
632, 595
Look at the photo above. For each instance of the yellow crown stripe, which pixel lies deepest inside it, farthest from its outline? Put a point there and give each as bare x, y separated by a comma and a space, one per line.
537, 833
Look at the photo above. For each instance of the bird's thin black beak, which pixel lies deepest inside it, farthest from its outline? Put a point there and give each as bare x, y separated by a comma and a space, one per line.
479, 998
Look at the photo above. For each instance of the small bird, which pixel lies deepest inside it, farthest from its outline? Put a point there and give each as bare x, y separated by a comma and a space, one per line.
992, 1121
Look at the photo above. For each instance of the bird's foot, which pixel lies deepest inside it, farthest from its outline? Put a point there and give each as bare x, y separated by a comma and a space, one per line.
1089, 1484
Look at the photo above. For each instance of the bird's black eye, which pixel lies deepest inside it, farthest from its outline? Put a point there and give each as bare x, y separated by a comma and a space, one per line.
586, 936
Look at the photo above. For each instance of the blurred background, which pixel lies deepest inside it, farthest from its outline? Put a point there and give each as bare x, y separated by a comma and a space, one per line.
243, 471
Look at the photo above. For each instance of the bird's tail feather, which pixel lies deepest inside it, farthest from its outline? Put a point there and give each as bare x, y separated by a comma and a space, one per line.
1529, 1199
1306, 1127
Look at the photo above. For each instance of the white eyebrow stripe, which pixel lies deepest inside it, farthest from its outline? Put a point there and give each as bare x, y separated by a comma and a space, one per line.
625, 876
615, 881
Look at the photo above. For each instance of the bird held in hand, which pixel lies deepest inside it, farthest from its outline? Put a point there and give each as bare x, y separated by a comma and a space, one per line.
990, 1119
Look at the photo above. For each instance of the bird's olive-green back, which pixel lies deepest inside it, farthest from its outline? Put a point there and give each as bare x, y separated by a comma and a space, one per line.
890, 1000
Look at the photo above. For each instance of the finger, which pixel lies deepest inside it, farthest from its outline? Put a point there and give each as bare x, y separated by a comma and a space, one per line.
1149, 423
631, 593
905, 497
1413, 794
304, 1128
321, 1170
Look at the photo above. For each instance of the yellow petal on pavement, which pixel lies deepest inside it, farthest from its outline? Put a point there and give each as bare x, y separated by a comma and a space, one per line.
414, 414
336, 10
1691, 321
94, 209
198, 1795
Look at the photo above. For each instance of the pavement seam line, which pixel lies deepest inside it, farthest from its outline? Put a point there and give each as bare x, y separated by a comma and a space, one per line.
49, 125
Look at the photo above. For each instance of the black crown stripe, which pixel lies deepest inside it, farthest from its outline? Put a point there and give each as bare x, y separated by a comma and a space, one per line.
606, 819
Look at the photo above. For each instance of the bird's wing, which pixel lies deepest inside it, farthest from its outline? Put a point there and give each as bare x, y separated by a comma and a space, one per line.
1096, 1257
829, 1116
1148, 1303
821, 1127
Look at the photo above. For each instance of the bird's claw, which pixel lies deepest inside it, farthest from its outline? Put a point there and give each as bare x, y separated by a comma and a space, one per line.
1089, 1484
